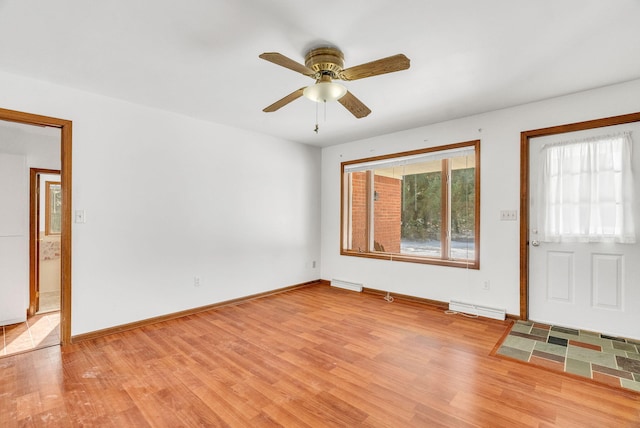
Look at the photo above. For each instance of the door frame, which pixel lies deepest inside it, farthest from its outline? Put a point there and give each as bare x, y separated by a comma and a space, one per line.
65, 235
34, 236
525, 138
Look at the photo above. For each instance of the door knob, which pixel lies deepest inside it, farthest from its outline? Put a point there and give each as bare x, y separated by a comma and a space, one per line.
535, 243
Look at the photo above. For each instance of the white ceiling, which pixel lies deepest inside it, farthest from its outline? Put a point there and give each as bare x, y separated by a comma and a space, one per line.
200, 57
29, 140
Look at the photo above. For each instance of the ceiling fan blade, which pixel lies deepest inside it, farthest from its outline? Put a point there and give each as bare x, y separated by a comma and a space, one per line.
285, 62
284, 101
382, 66
354, 105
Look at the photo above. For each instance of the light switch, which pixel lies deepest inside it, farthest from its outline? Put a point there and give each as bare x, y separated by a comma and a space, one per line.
80, 217
508, 215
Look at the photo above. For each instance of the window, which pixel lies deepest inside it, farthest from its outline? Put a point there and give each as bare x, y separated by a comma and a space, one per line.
53, 209
421, 206
586, 190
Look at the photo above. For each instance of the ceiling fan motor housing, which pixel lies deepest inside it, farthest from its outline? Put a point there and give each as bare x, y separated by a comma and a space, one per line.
325, 61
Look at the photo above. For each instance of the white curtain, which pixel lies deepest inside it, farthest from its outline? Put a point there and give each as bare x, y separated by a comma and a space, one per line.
586, 192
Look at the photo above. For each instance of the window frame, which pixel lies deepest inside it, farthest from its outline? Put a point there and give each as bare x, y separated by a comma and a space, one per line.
53, 194
371, 253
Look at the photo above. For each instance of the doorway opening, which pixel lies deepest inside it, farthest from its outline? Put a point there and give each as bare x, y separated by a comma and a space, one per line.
45, 238
64, 214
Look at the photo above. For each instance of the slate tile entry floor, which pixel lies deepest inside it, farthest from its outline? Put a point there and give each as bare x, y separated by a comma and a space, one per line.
614, 361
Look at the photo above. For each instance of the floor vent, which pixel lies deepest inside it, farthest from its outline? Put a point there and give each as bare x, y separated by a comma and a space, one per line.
482, 311
346, 285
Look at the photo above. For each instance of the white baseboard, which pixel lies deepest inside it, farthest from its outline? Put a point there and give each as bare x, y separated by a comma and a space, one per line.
353, 286
482, 311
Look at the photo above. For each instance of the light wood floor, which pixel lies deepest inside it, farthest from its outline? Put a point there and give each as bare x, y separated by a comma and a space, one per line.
314, 356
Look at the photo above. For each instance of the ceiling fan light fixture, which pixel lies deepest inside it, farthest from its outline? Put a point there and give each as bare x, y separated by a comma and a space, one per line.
325, 64
325, 92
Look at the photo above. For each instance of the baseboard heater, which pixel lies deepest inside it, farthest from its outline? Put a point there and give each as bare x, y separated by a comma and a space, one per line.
482, 311
353, 286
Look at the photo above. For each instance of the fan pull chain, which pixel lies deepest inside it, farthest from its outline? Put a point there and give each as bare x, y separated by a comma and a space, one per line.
317, 128
325, 110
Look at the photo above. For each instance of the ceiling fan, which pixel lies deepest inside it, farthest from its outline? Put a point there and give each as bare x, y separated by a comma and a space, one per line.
325, 65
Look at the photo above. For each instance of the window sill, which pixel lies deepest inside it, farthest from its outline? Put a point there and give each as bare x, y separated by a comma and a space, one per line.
473, 264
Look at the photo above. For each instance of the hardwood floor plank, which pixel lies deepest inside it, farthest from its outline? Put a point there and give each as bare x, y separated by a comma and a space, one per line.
374, 401
313, 356
283, 417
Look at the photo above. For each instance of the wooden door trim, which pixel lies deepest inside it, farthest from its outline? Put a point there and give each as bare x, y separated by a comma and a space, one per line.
34, 252
65, 236
525, 138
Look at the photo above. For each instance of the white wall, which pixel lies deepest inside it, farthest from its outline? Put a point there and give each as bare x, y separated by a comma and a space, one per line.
14, 215
168, 198
499, 132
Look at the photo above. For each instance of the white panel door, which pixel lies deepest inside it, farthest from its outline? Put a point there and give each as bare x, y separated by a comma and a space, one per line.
592, 286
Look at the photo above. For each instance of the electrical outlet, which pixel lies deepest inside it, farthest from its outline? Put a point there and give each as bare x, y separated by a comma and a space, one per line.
313, 264
486, 285
508, 215
196, 281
